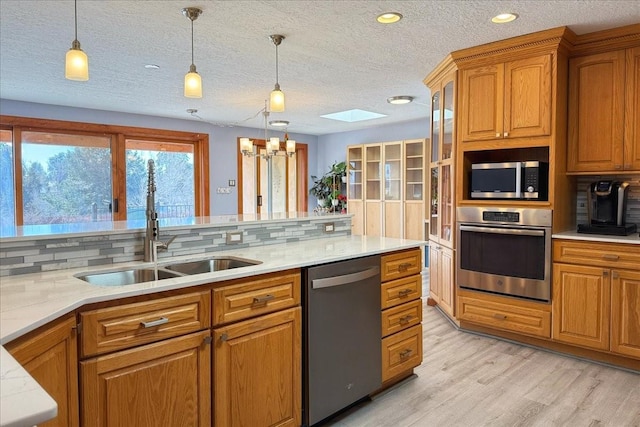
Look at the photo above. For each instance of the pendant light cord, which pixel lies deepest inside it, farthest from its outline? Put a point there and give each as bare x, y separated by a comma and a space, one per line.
276, 64
192, 41
75, 13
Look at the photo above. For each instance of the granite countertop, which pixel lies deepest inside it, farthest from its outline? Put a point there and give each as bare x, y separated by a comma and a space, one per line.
633, 239
32, 300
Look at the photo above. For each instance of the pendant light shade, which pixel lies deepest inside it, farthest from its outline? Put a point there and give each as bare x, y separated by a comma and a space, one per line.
276, 99
192, 80
76, 63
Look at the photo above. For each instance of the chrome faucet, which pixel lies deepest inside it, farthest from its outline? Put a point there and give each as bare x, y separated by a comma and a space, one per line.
152, 242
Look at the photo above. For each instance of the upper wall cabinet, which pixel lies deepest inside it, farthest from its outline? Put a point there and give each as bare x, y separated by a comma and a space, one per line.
604, 112
506, 100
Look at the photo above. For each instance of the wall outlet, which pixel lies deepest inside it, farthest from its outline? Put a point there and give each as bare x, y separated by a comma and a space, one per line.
234, 238
329, 227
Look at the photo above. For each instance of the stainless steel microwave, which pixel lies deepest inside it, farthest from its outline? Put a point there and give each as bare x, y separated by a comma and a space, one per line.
509, 180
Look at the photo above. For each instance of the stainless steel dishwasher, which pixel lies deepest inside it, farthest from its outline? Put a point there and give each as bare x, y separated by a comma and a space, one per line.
342, 354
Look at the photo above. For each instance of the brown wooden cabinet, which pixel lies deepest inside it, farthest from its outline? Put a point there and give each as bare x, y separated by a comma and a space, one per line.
164, 383
401, 314
506, 100
604, 112
50, 356
257, 371
441, 274
596, 296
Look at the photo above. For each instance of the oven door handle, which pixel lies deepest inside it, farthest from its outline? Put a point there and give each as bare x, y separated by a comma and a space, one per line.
494, 230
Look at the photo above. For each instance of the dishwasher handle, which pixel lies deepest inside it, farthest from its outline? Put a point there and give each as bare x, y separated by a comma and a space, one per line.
344, 279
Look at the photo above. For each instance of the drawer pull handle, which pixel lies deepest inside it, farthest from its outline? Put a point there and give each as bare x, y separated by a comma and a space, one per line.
224, 337
610, 257
405, 353
404, 267
500, 316
404, 292
263, 299
405, 319
160, 321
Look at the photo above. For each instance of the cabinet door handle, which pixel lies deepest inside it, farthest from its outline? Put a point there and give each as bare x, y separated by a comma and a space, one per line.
615, 274
405, 319
405, 353
605, 273
500, 316
160, 321
610, 257
404, 292
404, 267
506, 134
224, 337
497, 134
263, 299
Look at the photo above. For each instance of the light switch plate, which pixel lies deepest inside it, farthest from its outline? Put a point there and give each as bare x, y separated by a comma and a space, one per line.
234, 238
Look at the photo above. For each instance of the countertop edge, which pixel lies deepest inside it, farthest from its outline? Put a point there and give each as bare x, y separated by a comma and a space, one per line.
632, 239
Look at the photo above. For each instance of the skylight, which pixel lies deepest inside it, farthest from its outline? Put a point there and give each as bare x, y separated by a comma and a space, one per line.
355, 115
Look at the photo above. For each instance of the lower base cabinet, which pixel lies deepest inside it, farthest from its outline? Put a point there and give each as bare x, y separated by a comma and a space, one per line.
257, 371
441, 273
167, 383
50, 356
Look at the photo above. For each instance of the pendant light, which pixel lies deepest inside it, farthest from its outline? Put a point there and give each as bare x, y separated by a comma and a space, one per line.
76, 63
276, 100
192, 80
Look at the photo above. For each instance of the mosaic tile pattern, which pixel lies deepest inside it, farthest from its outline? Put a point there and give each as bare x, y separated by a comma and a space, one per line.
38, 254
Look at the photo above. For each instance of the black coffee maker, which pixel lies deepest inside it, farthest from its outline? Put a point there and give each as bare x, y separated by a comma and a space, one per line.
606, 209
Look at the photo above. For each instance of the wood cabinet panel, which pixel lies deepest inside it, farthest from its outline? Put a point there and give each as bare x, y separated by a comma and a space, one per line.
401, 352
625, 312
482, 101
114, 328
355, 207
401, 317
393, 219
435, 276
581, 305
446, 278
257, 371
608, 255
50, 356
400, 291
596, 111
507, 314
414, 220
373, 218
249, 298
401, 264
527, 110
166, 383
632, 111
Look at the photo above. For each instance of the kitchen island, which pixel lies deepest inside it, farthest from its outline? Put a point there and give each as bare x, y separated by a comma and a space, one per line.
32, 300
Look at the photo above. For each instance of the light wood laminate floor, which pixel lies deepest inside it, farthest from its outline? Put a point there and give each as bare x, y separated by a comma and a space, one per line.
471, 380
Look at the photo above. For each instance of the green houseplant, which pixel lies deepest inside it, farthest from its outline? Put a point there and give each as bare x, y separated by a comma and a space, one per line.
321, 189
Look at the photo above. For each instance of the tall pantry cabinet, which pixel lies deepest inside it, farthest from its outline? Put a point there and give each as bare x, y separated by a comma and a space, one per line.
440, 206
386, 188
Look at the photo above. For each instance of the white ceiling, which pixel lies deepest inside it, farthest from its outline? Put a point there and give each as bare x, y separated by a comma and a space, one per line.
335, 56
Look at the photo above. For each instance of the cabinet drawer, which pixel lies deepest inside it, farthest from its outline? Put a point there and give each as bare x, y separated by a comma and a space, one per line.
108, 329
401, 317
610, 255
401, 351
401, 291
247, 298
510, 317
402, 264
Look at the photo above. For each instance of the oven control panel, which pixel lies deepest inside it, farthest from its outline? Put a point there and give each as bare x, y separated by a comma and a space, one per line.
495, 216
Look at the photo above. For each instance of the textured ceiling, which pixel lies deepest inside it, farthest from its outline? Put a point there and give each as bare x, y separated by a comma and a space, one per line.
335, 56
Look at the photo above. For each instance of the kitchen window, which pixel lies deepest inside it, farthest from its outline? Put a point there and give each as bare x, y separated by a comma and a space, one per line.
55, 173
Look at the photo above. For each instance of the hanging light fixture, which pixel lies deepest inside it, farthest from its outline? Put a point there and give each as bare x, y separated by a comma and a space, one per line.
272, 145
76, 64
192, 80
276, 100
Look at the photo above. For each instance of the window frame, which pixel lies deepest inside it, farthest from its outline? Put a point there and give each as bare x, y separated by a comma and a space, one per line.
118, 135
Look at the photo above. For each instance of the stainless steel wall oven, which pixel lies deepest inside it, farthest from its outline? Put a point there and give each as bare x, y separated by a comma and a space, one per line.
505, 251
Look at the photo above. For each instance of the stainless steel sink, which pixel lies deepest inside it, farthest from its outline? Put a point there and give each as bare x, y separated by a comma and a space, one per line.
210, 265
127, 277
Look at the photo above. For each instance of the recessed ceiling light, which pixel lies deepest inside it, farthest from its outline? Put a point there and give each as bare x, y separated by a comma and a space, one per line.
398, 100
503, 18
389, 17
279, 123
152, 66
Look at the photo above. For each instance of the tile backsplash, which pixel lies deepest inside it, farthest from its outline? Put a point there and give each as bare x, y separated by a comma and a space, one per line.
633, 199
